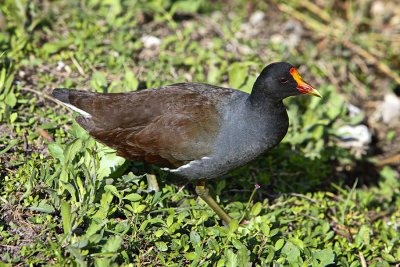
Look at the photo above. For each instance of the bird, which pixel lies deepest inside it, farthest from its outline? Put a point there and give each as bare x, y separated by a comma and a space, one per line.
196, 131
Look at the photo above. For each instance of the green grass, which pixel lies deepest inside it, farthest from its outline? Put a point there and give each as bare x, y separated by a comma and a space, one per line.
67, 200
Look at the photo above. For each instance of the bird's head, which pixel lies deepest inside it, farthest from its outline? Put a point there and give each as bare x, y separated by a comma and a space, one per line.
280, 80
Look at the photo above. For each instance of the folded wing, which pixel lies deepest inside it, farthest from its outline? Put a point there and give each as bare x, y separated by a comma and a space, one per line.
168, 127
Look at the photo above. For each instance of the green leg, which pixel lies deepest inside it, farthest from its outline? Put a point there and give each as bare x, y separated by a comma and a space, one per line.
152, 182
202, 192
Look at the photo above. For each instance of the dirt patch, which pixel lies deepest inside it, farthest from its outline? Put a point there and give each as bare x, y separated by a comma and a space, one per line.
15, 223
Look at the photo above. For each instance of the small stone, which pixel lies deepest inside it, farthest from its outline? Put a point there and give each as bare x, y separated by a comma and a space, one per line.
355, 136
114, 53
21, 73
378, 8
276, 38
390, 109
150, 41
257, 17
354, 111
60, 65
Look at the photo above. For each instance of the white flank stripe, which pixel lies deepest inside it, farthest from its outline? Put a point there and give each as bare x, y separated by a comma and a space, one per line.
80, 111
188, 165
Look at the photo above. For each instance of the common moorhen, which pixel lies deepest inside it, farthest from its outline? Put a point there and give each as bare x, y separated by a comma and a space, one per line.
194, 130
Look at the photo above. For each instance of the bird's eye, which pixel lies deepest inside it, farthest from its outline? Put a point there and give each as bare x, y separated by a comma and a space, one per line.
283, 80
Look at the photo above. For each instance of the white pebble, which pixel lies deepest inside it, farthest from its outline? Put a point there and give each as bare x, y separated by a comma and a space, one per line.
257, 17
355, 136
150, 41
390, 109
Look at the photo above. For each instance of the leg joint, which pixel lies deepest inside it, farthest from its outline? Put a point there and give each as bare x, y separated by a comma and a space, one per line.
201, 191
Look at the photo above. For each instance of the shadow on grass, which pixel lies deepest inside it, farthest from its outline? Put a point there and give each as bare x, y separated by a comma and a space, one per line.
281, 170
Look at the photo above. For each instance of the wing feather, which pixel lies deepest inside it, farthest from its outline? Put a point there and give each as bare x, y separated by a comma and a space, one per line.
168, 127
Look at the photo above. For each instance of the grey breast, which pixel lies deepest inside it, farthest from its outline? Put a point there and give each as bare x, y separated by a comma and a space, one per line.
245, 134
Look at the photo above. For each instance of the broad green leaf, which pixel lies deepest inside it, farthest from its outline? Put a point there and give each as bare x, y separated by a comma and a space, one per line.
102, 262
195, 238
133, 197
77, 253
11, 100
13, 117
131, 81
265, 229
113, 244
297, 242
56, 151
162, 246
325, 227
2, 78
231, 258
170, 220
190, 256
8, 86
233, 225
112, 189
78, 132
105, 201
66, 216
237, 74
291, 252
159, 232
274, 232
10, 145
109, 162
363, 236
52, 47
256, 209
93, 228
213, 74
243, 257
72, 149
388, 258
98, 81
248, 86
136, 207
185, 6
221, 263
323, 258
67, 186
279, 244
42, 206
237, 244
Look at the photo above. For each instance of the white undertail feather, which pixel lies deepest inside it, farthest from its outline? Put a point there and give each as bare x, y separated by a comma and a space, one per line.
186, 165
80, 111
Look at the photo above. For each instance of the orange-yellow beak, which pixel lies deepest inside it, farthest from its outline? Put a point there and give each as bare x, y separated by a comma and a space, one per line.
302, 86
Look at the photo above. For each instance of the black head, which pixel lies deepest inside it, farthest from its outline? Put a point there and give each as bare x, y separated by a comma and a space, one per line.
279, 80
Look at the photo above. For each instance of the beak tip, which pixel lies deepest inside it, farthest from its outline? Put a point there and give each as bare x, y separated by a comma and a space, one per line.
313, 92
309, 90
318, 94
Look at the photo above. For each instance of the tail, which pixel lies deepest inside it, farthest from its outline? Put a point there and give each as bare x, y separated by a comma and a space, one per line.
64, 96
61, 95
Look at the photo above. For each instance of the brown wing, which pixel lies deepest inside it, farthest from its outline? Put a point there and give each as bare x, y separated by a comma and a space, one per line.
168, 127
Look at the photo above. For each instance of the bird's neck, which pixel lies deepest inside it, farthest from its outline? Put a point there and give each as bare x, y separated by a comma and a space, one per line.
262, 97
270, 115
260, 100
